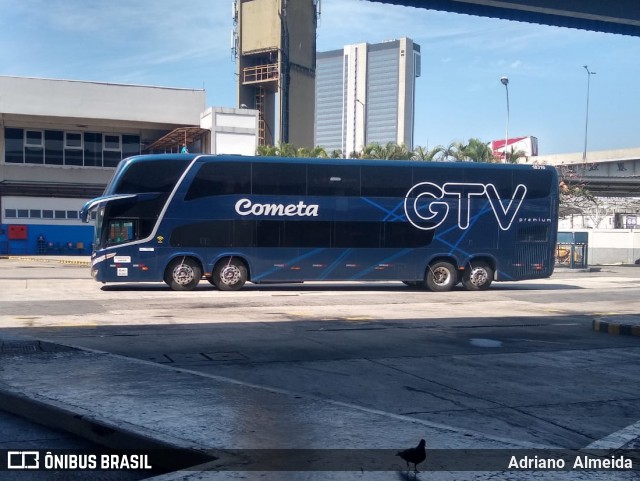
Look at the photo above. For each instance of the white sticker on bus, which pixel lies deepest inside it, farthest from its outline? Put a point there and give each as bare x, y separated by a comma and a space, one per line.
122, 271
122, 259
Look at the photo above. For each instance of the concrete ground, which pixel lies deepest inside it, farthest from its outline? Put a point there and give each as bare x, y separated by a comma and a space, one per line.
237, 428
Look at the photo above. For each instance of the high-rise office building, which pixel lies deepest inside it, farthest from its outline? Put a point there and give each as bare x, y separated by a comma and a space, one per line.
365, 93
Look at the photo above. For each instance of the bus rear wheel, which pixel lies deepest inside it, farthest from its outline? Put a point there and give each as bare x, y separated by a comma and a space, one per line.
441, 276
229, 274
183, 274
477, 276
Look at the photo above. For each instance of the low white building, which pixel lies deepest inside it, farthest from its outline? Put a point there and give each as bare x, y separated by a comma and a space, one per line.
61, 140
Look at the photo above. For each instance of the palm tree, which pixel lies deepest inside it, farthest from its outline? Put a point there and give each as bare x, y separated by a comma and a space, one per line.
303, 152
372, 151
286, 150
319, 152
452, 152
397, 152
389, 151
266, 151
513, 156
478, 151
421, 153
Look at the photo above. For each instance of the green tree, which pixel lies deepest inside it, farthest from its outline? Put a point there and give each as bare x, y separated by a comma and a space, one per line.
319, 152
286, 150
266, 151
395, 151
389, 151
304, 152
452, 152
372, 151
478, 151
513, 156
421, 153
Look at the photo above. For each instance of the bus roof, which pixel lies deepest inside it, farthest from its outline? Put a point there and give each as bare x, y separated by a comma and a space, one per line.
341, 161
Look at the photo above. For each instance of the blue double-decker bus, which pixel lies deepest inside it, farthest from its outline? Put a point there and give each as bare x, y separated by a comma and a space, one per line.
233, 219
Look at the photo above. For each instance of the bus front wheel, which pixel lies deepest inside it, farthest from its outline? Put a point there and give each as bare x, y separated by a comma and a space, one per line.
441, 276
183, 274
477, 276
229, 274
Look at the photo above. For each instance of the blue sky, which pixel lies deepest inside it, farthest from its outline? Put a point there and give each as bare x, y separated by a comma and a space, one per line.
459, 96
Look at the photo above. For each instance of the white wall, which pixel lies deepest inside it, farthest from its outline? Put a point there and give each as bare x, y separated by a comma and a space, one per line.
233, 131
612, 246
40, 204
91, 100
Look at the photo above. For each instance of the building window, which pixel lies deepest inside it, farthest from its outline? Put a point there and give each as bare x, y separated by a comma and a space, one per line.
130, 145
34, 146
57, 147
10, 213
47, 214
92, 149
35, 213
14, 146
73, 148
112, 143
53, 147
60, 214
33, 138
112, 150
72, 140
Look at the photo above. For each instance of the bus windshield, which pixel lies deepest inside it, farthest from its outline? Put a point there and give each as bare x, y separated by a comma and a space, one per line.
123, 219
134, 198
147, 175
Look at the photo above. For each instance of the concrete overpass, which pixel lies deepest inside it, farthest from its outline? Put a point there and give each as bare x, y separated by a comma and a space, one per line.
609, 173
616, 16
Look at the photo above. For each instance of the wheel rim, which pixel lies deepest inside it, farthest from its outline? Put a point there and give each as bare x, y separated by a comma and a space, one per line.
441, 276
478, 277
230, 275
183, 274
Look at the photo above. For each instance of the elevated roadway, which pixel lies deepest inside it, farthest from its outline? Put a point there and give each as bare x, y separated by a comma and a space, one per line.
620, 16
610, 173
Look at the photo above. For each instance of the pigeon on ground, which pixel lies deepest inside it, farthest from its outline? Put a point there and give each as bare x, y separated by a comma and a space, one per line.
414, 455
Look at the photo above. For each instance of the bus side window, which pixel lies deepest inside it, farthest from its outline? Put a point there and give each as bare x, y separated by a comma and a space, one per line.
220, 178
337, 180
386, 182
279, 179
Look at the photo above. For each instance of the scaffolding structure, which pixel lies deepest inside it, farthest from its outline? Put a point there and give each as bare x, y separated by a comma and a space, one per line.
260, 73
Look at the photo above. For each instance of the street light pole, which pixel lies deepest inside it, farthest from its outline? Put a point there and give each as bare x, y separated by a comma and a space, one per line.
505, 82
586, 122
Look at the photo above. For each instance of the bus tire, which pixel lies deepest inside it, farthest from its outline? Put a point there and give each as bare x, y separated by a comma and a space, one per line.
183, 274
229, 274
441, 276
477, 276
